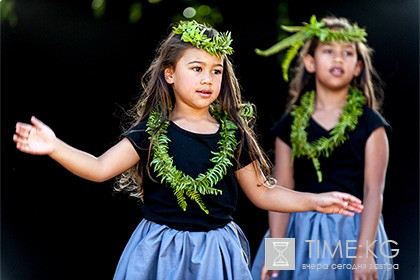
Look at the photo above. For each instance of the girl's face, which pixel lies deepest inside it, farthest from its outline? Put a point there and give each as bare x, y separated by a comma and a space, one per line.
196, 78
334, 64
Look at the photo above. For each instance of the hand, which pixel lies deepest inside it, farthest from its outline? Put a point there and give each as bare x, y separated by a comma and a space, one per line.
365, 268
338, 203
266, 274
36, 138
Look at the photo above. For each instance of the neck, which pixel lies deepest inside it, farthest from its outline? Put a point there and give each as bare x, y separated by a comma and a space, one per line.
195, 120
330, 100
188, 113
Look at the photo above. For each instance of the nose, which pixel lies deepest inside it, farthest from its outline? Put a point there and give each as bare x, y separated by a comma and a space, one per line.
206, 78
338, 58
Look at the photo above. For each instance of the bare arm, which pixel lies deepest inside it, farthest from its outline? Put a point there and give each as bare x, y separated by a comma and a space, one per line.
38, 139
285, 200
281, 199
283, 173
376, 163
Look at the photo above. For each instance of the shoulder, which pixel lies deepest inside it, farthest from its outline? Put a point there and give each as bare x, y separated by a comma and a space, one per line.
137, 128
137, 135
282, 127
283, 122
285, 119
373, 119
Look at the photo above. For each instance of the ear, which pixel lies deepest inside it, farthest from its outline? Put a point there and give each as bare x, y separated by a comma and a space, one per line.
168, 75
309, 62
358, 68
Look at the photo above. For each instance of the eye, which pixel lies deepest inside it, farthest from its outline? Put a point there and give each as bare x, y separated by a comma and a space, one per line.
196, 69
217, 72
328, 50
348, 53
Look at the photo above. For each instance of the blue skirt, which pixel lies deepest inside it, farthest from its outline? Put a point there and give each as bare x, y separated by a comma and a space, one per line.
318, 230
157, 252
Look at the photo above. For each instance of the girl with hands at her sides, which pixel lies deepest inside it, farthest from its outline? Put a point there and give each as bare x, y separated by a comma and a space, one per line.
187, 148
331, 138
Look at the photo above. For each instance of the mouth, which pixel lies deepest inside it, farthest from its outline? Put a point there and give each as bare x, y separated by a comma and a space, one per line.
205, 93
337, 71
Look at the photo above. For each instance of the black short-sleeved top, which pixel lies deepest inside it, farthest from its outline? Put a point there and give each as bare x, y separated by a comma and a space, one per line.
191, 154
344, 169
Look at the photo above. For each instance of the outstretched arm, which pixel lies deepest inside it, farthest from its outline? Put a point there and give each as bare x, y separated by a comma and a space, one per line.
39, 139
281, 199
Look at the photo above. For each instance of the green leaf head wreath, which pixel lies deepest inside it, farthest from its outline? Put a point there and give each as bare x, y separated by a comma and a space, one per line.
194, 33
309, 30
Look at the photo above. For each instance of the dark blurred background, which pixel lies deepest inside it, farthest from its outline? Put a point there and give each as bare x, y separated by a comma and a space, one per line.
76, 65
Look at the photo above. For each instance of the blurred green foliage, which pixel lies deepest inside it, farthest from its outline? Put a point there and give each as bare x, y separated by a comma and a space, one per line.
189, 9
7, 12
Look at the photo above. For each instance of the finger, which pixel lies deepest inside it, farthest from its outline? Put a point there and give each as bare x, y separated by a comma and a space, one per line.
36, 122
19, 127
337, 201
353, 200
264, 274
357, 209
20, 139
346, 213
347, 197
341, 207
17, 138
23, 129
274, 274
354, 203
21, 146
347, 210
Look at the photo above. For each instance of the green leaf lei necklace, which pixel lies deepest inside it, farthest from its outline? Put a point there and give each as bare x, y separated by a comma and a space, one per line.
339, 134
181, 183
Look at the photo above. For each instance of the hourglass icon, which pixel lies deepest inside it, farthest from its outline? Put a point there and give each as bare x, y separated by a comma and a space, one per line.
280, 260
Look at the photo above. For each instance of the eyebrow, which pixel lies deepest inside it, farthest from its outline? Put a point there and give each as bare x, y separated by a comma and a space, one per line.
345, 44
349, 45
202, 62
